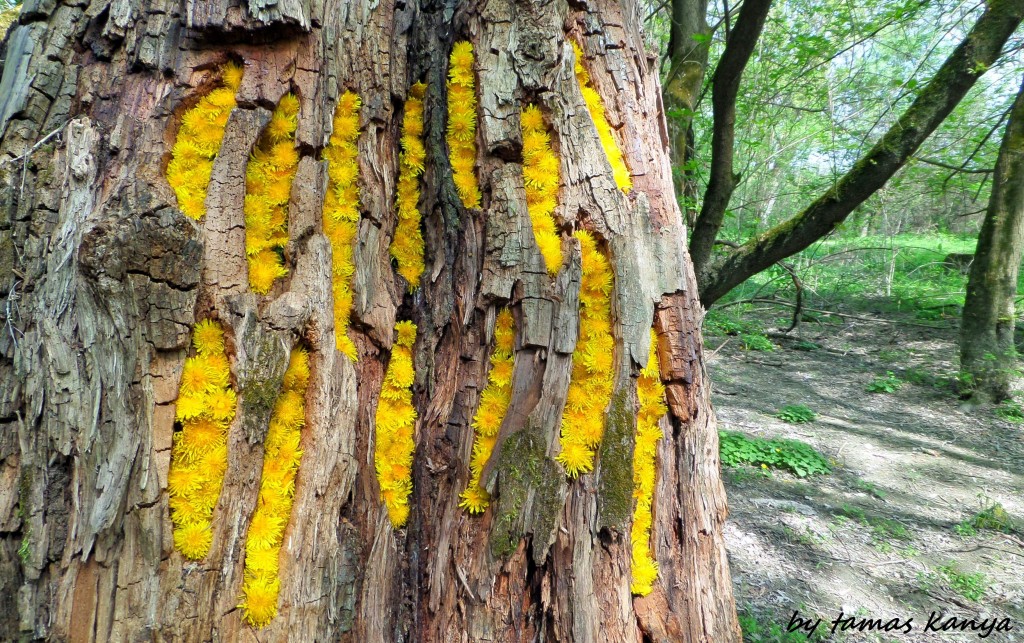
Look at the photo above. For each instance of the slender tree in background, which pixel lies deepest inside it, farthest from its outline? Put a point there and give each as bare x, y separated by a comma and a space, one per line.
687, 56
987, 353
717, 275
197, 198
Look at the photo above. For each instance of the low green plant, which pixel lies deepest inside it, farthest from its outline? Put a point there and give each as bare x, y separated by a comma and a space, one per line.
796, 414
965, 529
756, 342
869, 488
1011, 411
804, 345
24, 551
800, 458
992, 516
883, 530
887, 383
759, 630
970, 586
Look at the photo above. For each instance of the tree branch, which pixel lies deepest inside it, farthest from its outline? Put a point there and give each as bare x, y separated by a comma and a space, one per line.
975, 54
725, 87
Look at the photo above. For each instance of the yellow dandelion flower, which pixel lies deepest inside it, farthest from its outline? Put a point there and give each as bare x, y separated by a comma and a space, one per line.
196, 377
281, 460
462, 123
648, 433
494, 402
232, 76
576, 458
406, 333
260, 603
593, 360
620, 173
395, 422
193, 541
341, 212
199, 450
269, 178
474, 499
208, 337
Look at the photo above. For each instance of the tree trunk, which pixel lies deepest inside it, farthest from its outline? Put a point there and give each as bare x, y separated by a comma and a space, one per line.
688, 45
105, 281
987, 352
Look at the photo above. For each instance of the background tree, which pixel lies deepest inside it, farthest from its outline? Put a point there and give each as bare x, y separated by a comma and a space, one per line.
987, 351
105, 279
973, 56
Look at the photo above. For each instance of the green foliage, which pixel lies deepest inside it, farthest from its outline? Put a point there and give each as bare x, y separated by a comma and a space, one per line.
887, 383
1010, 410
736, 449
756, 342
804, 345
970, 586
992, 516
762, 630
869, 488
883, 530
796, 414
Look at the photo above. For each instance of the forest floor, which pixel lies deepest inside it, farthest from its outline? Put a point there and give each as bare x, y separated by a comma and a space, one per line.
878, 537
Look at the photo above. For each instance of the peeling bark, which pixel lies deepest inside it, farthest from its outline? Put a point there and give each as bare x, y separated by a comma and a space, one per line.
108, 278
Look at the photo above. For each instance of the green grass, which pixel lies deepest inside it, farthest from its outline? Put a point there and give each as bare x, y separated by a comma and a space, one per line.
903, 273
799, 458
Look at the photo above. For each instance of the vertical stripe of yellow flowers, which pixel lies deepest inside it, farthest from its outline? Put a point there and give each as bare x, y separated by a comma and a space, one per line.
540, 176
396, 421
590, 389
604, 131
281, 458
199, 138
268, 186
494, 400
651, 392
341, 212
199, 453
407, 246
462, 123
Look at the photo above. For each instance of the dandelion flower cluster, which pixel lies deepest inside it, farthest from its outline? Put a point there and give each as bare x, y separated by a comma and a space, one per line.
199, 453
494, 400
268, 186
199, 138
396, 421
281, 457
341, 212
540, 176
590, 389
462, 123
604, 131
407, 246
651, 392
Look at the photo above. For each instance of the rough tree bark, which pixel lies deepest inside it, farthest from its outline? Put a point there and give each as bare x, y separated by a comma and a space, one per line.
103, 279
972, 58
987, 351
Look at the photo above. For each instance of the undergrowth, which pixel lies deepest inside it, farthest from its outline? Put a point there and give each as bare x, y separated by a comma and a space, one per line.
799, 458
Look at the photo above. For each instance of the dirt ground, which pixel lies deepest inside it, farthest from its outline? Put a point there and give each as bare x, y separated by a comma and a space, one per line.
876, 538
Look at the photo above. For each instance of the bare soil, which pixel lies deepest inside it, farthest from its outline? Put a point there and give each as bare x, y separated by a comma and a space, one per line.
876, 538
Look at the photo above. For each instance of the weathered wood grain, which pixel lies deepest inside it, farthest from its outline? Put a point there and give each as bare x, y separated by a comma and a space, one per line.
109, 277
